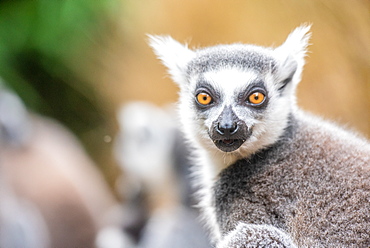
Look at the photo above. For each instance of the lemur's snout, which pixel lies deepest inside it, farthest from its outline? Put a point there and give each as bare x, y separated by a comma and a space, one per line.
229, 132
227, 129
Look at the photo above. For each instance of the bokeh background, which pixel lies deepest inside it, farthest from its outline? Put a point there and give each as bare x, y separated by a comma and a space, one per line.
79, 61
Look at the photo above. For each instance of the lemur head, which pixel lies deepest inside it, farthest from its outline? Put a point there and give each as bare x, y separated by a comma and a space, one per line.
236, 98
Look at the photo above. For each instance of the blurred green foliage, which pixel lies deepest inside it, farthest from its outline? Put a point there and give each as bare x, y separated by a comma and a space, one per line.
43, 43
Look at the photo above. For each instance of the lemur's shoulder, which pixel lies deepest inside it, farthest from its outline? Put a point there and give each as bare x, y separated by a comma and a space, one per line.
317, 135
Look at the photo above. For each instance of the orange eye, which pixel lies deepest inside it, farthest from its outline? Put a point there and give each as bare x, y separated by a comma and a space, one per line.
204, 98
256, 98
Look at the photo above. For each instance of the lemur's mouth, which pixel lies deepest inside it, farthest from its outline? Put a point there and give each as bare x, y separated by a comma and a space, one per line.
228, 145
228, 142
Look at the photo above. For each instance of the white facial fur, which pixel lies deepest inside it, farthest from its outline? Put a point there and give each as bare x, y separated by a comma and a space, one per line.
267, 124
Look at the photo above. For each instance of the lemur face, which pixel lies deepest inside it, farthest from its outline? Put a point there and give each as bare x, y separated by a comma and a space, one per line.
235, 98
229, 104
233, 107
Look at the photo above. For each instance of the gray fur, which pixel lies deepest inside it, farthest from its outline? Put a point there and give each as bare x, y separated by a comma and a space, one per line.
235, 55
297, 180
251, 236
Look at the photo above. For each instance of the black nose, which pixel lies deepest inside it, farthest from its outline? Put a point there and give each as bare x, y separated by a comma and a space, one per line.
227, 129
227, 122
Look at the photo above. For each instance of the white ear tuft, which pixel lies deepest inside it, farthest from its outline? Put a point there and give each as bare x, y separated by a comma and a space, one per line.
291, 54
174, 55
297, 41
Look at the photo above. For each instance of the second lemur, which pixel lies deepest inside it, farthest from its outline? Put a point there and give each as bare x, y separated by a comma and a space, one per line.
271, 175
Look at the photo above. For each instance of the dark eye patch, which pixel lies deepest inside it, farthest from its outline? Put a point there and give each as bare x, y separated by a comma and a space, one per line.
203, 86
257, 86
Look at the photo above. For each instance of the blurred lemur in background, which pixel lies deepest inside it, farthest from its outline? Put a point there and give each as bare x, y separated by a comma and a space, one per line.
271, 174
158, 208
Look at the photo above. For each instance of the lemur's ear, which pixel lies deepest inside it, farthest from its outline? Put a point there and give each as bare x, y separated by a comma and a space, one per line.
174, 55
291, 54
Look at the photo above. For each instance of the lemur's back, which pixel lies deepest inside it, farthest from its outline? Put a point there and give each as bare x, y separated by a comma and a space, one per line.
314, 184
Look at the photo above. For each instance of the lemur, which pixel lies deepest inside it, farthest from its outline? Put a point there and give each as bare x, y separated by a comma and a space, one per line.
271, 174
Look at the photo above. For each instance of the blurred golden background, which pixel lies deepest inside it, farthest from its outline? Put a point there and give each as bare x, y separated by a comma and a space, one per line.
336, 78
78, 62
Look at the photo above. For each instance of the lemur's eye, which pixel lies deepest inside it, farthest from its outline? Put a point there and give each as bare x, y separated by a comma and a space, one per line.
256, 98
204, 99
